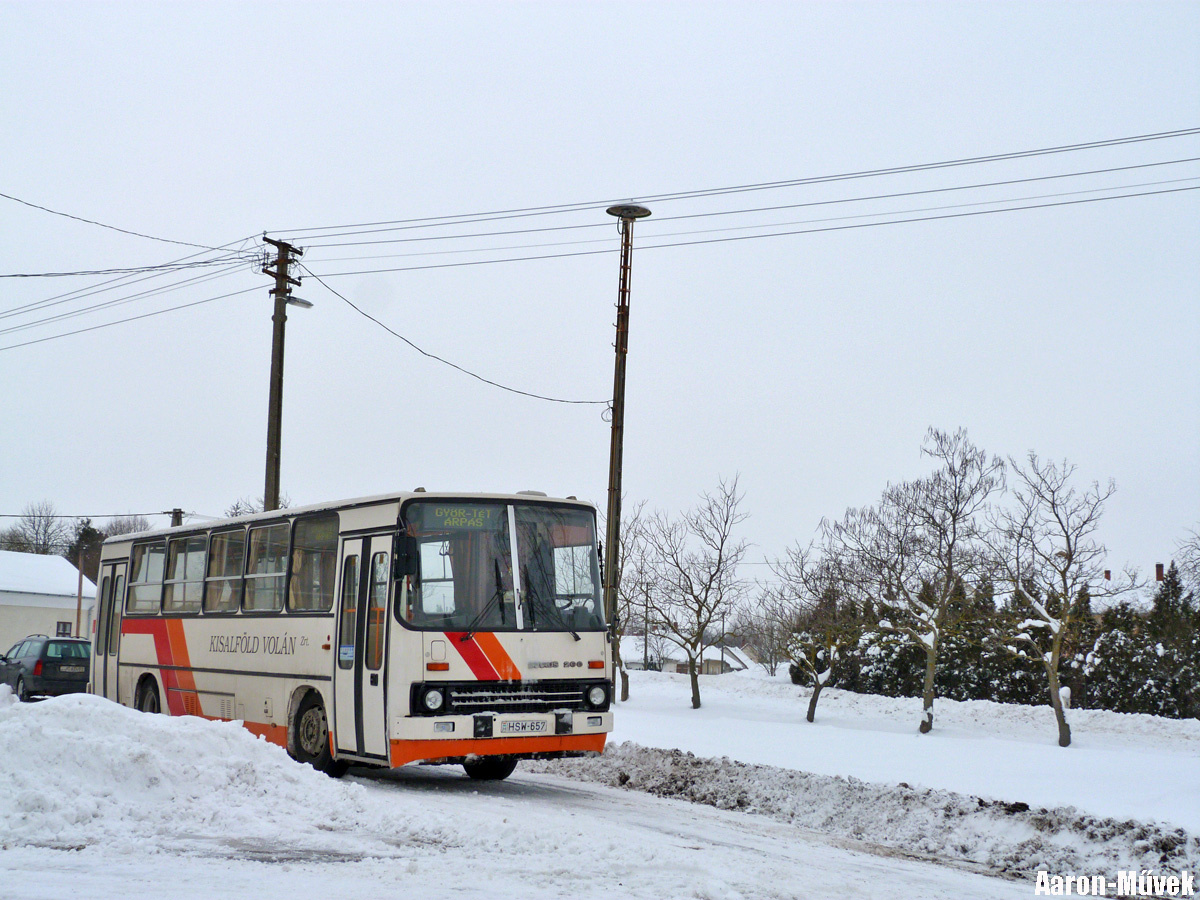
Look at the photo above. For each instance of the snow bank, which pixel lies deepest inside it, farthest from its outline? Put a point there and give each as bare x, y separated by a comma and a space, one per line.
79, 770
1008, 837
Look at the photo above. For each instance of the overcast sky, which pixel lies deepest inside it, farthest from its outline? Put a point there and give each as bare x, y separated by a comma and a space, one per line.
812, 364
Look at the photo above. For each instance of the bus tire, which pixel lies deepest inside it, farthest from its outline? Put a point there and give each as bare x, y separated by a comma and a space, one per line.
490, 768
311, 737
147, 697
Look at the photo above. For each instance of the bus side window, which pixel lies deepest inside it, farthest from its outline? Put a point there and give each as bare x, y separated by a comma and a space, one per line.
266, 568
348, 625
114, 619
377, 610
145, 577
223, 587
105, 610
314, 564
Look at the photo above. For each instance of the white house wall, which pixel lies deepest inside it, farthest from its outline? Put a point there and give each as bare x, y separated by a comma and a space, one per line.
24, 614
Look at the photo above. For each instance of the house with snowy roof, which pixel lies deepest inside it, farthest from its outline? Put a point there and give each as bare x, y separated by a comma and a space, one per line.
38, 595
657, 653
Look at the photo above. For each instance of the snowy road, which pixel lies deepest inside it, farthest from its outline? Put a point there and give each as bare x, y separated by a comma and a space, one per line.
534, 836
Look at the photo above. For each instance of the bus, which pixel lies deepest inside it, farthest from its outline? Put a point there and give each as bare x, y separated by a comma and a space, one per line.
413, 627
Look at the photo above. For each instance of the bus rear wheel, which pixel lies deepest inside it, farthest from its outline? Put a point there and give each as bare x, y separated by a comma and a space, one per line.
490, 768
310, 738
147, 697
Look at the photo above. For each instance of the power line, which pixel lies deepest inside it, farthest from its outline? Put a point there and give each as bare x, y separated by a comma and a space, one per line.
125, 515
464, 218
766, 224
120, 301
113, 283
159, 312
447, 362
747, 210
43, 305
131, 270
102, 225
483, 262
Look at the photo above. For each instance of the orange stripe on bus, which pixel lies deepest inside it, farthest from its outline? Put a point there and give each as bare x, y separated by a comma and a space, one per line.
404, 752
179, 654
498, 656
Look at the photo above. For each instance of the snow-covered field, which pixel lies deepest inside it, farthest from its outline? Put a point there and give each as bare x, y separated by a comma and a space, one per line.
100, 802
1118, 764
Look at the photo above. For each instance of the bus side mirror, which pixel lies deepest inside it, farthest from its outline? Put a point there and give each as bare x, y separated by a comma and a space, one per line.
406, 557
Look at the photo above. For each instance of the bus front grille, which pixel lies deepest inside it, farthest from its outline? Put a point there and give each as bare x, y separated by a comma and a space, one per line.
465, 698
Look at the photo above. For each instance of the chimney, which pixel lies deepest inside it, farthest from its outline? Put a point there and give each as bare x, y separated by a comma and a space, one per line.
1158, 571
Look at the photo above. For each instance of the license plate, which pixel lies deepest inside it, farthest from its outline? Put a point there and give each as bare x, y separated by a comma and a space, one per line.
72, 670
538, 727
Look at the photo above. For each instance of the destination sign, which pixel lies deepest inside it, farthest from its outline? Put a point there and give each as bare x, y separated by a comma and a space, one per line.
461, 517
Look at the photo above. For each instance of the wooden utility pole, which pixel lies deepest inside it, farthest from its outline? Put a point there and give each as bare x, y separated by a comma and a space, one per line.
79, 585
280, 292
628, 214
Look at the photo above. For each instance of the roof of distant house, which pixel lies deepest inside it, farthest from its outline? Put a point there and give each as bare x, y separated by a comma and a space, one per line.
34, 573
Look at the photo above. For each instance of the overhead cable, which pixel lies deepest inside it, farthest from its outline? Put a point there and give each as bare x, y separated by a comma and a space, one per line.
149, 237
742, 211
642, 247
659, 235
131, 270
447, 362
769, 185
148, 315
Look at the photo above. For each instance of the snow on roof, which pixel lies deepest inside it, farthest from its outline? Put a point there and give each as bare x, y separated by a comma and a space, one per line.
34, 573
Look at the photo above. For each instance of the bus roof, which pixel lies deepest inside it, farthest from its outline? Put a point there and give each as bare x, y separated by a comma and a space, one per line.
376, 500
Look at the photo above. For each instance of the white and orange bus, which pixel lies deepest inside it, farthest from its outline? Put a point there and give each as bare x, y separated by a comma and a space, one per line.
382, 631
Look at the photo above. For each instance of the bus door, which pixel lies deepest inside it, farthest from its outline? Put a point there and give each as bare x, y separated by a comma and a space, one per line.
360, 700
108, 630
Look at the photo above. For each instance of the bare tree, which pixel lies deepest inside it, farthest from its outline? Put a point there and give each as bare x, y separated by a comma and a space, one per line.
126, 525
763, 625
1189, 559
695, 563
245, 506
1051, 561
39, 530
632, 580
823, 623
911, 554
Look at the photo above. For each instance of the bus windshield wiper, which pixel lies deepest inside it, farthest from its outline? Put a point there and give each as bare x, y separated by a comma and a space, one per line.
550, 607
498, 595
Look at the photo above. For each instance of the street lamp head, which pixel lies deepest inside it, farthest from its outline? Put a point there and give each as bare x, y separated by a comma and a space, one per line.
297, 301
628, 211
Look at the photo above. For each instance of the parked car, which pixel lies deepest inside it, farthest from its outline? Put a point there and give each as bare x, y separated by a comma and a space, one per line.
42, 666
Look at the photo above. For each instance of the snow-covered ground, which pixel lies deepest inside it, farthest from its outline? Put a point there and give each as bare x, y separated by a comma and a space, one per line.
1118, 764
102, 802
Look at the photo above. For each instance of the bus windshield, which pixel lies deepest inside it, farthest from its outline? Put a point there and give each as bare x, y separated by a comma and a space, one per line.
467, 580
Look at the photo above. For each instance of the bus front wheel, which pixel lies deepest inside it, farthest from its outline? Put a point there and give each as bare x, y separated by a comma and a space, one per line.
311, 738
490, 768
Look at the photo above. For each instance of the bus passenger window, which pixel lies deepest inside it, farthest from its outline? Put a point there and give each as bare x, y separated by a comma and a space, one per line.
266, 567
348, 625
185, 575
145, 579
314, 564
223, 587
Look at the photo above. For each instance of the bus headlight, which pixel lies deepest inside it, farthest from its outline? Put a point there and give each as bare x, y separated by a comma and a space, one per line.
597, 696
433, 699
